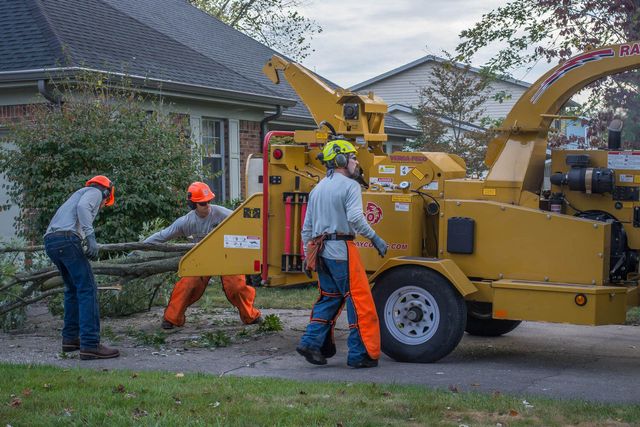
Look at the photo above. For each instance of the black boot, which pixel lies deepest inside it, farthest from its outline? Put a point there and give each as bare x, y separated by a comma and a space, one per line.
312, 355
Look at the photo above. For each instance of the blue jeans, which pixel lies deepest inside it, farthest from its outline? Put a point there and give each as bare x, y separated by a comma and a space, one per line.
334, 285
81, 313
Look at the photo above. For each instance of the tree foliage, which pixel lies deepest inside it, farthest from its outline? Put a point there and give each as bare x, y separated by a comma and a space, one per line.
275, 23
98, 130
450, 113
526, 32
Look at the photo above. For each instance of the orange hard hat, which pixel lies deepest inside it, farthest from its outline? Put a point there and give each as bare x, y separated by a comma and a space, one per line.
109, 191
199, 192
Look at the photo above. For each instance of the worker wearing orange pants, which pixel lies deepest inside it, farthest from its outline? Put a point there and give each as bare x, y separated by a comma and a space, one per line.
195, 225
190, 289
334, 216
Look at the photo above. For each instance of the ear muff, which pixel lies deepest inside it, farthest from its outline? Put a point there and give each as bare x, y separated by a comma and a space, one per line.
192, 205
340, 159
105, 191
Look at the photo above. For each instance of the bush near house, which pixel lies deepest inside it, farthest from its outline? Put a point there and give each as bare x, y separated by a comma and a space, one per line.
99, 129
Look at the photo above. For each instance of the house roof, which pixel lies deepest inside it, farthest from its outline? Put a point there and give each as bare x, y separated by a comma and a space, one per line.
468, 126
423, 60
165, 43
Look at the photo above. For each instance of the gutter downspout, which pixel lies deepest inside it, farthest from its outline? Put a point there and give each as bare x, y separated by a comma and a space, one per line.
42, 89
263, 123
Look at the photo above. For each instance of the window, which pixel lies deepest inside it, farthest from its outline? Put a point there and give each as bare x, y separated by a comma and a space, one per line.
213, 156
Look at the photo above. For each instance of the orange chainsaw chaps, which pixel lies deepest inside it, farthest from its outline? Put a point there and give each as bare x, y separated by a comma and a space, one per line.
363, 304
241, 296
185, 292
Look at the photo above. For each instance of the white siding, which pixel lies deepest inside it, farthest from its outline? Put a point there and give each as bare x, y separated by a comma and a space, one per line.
404, 88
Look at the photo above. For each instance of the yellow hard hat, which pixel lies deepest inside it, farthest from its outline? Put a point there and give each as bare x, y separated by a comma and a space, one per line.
335, 147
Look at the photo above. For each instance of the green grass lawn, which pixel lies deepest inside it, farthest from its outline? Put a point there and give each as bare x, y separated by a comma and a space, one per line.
47, 396
282, 298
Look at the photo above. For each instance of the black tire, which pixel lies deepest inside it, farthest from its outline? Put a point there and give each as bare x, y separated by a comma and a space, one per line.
480, 323
437, 309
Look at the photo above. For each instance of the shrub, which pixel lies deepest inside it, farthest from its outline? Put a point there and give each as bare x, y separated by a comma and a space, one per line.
98, 130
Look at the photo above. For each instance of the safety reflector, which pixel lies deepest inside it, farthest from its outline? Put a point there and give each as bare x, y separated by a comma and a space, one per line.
580, 299
256, 265
499, 314
277, 154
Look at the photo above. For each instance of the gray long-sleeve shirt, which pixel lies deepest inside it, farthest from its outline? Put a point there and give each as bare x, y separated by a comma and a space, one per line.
335, 206
191, 226
77, 213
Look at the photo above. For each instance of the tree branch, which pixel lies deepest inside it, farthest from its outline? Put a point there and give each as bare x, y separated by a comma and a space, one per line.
114, 247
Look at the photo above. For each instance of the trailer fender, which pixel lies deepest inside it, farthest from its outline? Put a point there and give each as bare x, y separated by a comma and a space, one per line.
446, 267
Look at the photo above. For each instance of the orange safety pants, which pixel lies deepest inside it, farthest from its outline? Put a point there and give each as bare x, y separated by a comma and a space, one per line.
344, 283
190, 289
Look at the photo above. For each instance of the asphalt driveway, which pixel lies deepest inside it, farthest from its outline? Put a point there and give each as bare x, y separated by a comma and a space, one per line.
552, 360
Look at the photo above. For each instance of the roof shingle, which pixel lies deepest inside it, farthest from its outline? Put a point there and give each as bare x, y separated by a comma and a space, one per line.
166, 40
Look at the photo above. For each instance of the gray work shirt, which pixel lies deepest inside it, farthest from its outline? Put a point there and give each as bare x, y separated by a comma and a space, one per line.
335, 206
77, 213
191, 226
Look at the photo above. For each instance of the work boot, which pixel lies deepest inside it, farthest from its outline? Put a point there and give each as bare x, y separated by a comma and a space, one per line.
167, 325
70, 345
100, 352
367, 362
328, 349
313, 356
258, 321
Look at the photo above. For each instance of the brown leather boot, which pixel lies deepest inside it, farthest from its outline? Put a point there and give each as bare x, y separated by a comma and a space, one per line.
70, 345
100, 352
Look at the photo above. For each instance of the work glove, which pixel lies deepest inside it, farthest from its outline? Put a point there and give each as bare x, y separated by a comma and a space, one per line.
92, 247
380, 245
306, 269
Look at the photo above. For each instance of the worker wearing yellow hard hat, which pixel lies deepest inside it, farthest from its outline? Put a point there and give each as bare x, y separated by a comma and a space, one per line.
334, 216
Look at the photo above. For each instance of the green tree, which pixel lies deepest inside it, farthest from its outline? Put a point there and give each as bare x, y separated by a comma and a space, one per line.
450, 113
275, 23
525, 32
98, 130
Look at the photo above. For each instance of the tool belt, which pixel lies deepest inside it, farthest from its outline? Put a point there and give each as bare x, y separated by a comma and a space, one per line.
339, 236
315, 246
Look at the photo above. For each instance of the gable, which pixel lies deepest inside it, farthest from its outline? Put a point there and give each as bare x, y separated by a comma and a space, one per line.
404, 88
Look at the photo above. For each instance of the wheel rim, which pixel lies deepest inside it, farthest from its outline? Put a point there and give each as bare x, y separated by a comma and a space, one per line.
411, 315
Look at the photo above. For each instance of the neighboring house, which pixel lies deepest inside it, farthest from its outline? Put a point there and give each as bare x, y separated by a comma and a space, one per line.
205, 69
400, 88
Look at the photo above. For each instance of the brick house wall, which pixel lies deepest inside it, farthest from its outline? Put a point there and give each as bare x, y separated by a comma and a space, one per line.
13, 113
249, 144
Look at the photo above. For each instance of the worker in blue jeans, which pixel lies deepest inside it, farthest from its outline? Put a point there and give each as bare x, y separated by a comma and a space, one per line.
72, 222
334, 217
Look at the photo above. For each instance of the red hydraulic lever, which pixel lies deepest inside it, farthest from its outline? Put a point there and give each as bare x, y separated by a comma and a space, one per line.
265, 199
287, 225
303, 213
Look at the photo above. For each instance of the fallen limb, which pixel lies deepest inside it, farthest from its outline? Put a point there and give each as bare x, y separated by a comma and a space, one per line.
114, 247
26, 287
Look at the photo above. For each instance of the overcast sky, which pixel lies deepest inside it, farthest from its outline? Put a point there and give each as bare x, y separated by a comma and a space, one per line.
365, 38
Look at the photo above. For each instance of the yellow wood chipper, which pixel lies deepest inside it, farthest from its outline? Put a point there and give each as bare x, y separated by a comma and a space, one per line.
474, 255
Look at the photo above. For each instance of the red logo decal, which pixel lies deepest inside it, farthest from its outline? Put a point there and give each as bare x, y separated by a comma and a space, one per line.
373, 213
630, 50
572, 64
